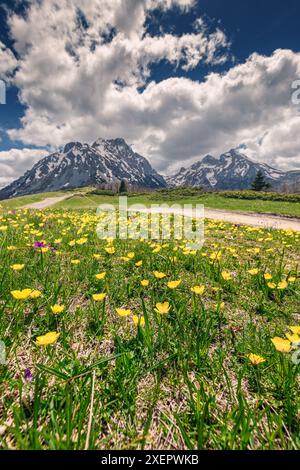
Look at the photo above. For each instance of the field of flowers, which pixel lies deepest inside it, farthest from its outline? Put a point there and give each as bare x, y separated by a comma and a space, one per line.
136, 344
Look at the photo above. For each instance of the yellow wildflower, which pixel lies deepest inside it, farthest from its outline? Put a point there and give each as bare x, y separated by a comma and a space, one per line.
100, 276
123, 312
57, 308
99, 297
255, 359
48, 338
17, 267
173, 284
163, 308
198, 290
159, 275
282, 345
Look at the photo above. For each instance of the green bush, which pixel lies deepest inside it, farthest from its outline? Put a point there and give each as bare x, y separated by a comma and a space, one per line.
264, 196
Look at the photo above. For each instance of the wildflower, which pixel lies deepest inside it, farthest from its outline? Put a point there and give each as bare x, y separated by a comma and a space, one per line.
138, 321
292, 279
97, 256
255, 359
81, 241
17, 267
282, 345
139, 263
25, 294
123, 312
198, 290
110, 250
159, 275
253, 272
271, 285
268, 276
282, 285
131, 255
99, 297
163, 308
28, 375
173, 284
35, 294
295, 329
220, 306
294, 338
11, 248
57, 308
226, 275
145, 283
75, 262
100, 276
48, 338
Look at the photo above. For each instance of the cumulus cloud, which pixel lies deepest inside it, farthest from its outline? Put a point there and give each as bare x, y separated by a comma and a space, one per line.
8, 62
14, 162
84, 72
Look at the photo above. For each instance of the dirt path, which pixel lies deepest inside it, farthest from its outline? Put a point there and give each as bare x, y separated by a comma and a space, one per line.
45, 203
243, 218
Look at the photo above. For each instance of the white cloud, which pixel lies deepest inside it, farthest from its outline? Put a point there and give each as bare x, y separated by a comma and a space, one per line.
8, 61
79, 85
14, 162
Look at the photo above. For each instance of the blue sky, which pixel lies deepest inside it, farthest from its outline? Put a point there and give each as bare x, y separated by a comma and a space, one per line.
176, 78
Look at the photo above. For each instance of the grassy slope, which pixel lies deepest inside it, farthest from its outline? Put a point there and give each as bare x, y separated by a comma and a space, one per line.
212, 201
24, 200
184, 381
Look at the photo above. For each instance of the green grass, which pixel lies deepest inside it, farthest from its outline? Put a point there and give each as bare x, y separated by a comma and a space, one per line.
212, 201
183, 380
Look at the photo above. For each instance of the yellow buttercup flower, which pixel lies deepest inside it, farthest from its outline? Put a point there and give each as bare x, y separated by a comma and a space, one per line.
255, 359
139, 263
35, 294
123, 312
48, 338
145, 283
282, 345
25, 294
110, 250
294, 338
173, 284
159, 275
271, 285
268, 276
295, 329
57, 308
138, 321
99, 297
75, 262
253, 272
220, 306
81, 241
100, 276
163, 308
291, 279
198, 290
282, 285
226, 275
21, 294
17, 267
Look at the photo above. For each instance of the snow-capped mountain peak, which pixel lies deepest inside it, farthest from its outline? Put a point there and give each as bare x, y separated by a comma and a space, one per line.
231, 170
78, 165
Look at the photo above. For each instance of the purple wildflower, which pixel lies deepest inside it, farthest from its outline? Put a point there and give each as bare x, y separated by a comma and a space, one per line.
28, 375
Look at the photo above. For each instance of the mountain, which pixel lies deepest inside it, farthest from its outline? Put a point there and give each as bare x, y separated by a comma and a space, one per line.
78, 165
232, 170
